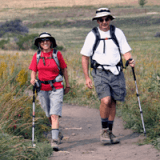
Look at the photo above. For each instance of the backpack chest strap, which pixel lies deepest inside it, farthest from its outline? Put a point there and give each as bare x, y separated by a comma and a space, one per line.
104, 46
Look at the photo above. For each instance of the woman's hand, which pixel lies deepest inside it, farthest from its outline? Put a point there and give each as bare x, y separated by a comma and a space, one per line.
32, 81
33, 78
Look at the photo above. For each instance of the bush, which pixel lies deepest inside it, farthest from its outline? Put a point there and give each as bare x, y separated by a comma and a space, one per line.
14, 26
27, 42
3, 42
142, 2
157, 34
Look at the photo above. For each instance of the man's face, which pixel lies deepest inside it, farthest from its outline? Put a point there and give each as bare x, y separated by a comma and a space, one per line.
104, 23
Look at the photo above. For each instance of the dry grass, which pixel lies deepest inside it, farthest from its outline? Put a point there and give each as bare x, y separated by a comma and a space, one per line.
60, 3
64, 3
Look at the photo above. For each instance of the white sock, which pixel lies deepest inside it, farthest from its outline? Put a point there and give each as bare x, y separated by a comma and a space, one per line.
54, 133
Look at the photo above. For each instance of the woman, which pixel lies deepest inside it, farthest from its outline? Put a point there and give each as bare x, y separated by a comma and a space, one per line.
51, 90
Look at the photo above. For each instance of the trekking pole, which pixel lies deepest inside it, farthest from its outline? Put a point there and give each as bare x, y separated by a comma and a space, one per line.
33, 113
141, 112
33, 116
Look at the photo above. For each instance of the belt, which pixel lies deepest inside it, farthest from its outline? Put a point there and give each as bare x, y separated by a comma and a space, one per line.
48, 82
106, 70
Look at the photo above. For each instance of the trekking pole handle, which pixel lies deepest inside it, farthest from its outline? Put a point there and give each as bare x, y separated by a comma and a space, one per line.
127, 62
36, 83
134, 76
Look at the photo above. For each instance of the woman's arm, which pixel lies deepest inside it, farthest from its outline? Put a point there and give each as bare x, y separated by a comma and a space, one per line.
33, 77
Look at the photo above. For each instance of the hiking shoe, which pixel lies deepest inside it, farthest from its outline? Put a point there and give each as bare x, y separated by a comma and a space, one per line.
60, 137
54, 145
107, 137
113, 138
104, 136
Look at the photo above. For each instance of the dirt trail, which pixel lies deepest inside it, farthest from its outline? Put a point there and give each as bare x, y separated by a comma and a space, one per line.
81, 128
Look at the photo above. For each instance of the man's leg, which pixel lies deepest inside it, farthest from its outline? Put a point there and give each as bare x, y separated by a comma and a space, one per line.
107, 113
112, 114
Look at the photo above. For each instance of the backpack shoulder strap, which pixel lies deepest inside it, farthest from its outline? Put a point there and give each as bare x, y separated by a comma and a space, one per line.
56, 58
114, 38
38, 55
97, 35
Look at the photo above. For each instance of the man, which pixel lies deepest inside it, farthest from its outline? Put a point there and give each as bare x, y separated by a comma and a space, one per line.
107, 73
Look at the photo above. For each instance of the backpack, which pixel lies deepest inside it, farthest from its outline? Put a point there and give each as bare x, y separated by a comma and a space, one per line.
94, 64
59, 78
54, 54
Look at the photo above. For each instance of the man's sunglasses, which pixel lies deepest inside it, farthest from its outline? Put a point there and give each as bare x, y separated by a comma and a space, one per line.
44, 39
106, 19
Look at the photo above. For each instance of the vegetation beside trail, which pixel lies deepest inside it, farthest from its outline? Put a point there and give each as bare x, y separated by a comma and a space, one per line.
70, 30
16, 113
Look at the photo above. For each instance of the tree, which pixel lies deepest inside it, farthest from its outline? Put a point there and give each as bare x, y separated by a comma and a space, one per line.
142, 2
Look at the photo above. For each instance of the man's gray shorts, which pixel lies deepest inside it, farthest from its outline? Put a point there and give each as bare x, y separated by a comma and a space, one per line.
108, 84
51, 102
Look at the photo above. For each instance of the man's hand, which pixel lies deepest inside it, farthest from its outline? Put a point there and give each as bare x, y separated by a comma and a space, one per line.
132, 63
66, 90
89, 83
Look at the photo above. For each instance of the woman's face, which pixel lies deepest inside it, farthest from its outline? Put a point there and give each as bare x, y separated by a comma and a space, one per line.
45, 44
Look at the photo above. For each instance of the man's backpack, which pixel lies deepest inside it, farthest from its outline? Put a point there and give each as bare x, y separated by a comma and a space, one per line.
94, 64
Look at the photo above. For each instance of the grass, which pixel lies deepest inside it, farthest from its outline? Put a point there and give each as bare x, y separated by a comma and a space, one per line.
70, 29
16, 113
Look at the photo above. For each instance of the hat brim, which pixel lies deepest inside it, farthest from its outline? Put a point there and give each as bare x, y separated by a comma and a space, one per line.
38, 39
103, 15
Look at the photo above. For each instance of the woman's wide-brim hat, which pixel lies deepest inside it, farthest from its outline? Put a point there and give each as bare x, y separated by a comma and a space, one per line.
45, 35
102, 12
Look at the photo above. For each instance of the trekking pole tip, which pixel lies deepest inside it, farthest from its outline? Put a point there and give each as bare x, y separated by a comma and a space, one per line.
34, 145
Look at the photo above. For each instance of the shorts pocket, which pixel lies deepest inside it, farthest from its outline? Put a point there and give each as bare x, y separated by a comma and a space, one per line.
118, 87
97, 77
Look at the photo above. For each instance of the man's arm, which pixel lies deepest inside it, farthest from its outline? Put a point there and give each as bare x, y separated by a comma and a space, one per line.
85, 65
127, 56
65, 74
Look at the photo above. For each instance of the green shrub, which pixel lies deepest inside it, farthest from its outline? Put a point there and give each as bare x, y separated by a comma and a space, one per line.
3, 42
142, 2
27, 42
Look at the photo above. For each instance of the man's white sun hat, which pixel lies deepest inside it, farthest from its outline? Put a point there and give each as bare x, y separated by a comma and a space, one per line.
101, 12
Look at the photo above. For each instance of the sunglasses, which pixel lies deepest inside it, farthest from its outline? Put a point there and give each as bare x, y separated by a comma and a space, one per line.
106, 19
45, 39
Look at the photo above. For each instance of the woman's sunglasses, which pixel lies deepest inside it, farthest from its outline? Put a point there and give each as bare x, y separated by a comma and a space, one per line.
44, 39
106, 19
